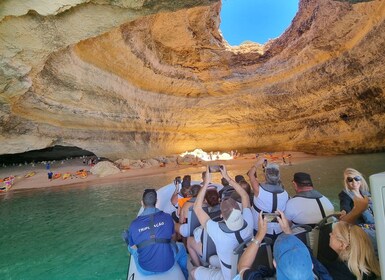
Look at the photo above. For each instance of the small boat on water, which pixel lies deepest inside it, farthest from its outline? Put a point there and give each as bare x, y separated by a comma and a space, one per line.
264, 256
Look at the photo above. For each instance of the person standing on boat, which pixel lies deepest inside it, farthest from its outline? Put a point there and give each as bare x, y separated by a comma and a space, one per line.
236, 227
268, 196
150, 239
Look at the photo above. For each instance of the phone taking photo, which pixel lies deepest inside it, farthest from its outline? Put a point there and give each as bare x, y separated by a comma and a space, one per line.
271, 217
177, 180
215, 168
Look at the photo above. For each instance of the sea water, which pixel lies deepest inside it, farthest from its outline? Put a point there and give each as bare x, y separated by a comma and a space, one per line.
75, 232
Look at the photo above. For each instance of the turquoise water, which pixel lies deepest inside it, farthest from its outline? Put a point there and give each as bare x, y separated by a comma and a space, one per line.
74, 233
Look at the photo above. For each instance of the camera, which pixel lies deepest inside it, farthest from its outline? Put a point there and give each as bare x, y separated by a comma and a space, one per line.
271, 217
215, 168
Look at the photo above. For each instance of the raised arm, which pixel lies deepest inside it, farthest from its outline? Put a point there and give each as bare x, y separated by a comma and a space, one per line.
360, 205
248, 256
202, 216
253, 179
242, 193
174, 197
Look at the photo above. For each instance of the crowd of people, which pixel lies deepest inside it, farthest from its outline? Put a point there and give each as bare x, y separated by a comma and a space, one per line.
235, 211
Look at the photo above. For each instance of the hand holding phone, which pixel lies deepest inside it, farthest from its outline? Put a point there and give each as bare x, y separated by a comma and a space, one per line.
215, 168
271, 217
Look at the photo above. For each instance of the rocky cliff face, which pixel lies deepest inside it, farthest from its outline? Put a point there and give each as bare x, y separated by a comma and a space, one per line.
141, 78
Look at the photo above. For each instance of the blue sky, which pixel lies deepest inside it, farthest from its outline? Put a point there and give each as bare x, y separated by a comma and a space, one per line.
255, 20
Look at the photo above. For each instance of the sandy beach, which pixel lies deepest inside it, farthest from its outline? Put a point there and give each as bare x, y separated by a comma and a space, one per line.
40, 179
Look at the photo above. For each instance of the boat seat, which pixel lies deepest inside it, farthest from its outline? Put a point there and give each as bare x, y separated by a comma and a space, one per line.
264, 256
192, 221
173, 273
321, 249
208, 248
302, 232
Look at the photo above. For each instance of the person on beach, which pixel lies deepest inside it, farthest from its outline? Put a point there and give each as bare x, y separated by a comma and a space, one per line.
308, 206
268, 197
50, 175
357, 260
150, 239
226, 235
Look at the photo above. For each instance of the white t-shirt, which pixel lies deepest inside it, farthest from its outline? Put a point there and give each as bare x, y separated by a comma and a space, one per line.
264, 202
226, 242
302, 210
306, 211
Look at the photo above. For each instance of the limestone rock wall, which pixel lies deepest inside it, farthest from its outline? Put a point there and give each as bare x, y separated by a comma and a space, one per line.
138, 79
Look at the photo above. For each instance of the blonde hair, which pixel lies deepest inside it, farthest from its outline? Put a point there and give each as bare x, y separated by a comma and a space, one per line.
350, 172
358, 253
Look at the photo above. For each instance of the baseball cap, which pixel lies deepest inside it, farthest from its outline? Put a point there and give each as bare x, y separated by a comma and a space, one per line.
292, 258
232, 214
303, 179
272, 173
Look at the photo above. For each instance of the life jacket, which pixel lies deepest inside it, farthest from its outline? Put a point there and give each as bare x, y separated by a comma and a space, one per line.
274, 190
313, 194
153, 239
237, 233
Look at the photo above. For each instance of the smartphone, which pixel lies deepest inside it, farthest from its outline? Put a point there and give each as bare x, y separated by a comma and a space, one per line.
177, 180
271, 217
215, 168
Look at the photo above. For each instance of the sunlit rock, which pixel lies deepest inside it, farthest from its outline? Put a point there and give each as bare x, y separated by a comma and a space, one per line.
141, 79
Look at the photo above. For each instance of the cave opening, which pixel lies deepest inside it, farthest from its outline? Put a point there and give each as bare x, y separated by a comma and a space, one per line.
256, 21
48, 154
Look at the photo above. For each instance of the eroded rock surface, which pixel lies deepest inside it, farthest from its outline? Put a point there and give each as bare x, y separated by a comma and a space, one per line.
139, 79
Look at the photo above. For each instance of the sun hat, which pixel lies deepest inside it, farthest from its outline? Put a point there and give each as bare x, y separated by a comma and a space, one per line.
272, 173
292, 258
303, 179
232, 214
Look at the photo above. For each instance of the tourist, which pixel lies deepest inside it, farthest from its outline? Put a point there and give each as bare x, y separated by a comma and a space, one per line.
236, 227
357, 259
194, 243
150, 239
176, 195
354, 196
227, 190
308, 206
246, 186
292, 259
182, 226
355, 186
268, 197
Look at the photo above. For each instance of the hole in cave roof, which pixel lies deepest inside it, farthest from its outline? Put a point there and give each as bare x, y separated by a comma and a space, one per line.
255, 21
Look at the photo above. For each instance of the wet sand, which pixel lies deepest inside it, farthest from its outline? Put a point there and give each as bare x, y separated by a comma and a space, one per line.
40, 179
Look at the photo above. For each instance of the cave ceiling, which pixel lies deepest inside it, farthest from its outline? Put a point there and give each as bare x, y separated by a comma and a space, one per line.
140, 78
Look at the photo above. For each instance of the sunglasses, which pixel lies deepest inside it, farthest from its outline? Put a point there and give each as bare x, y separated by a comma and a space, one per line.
356, 178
